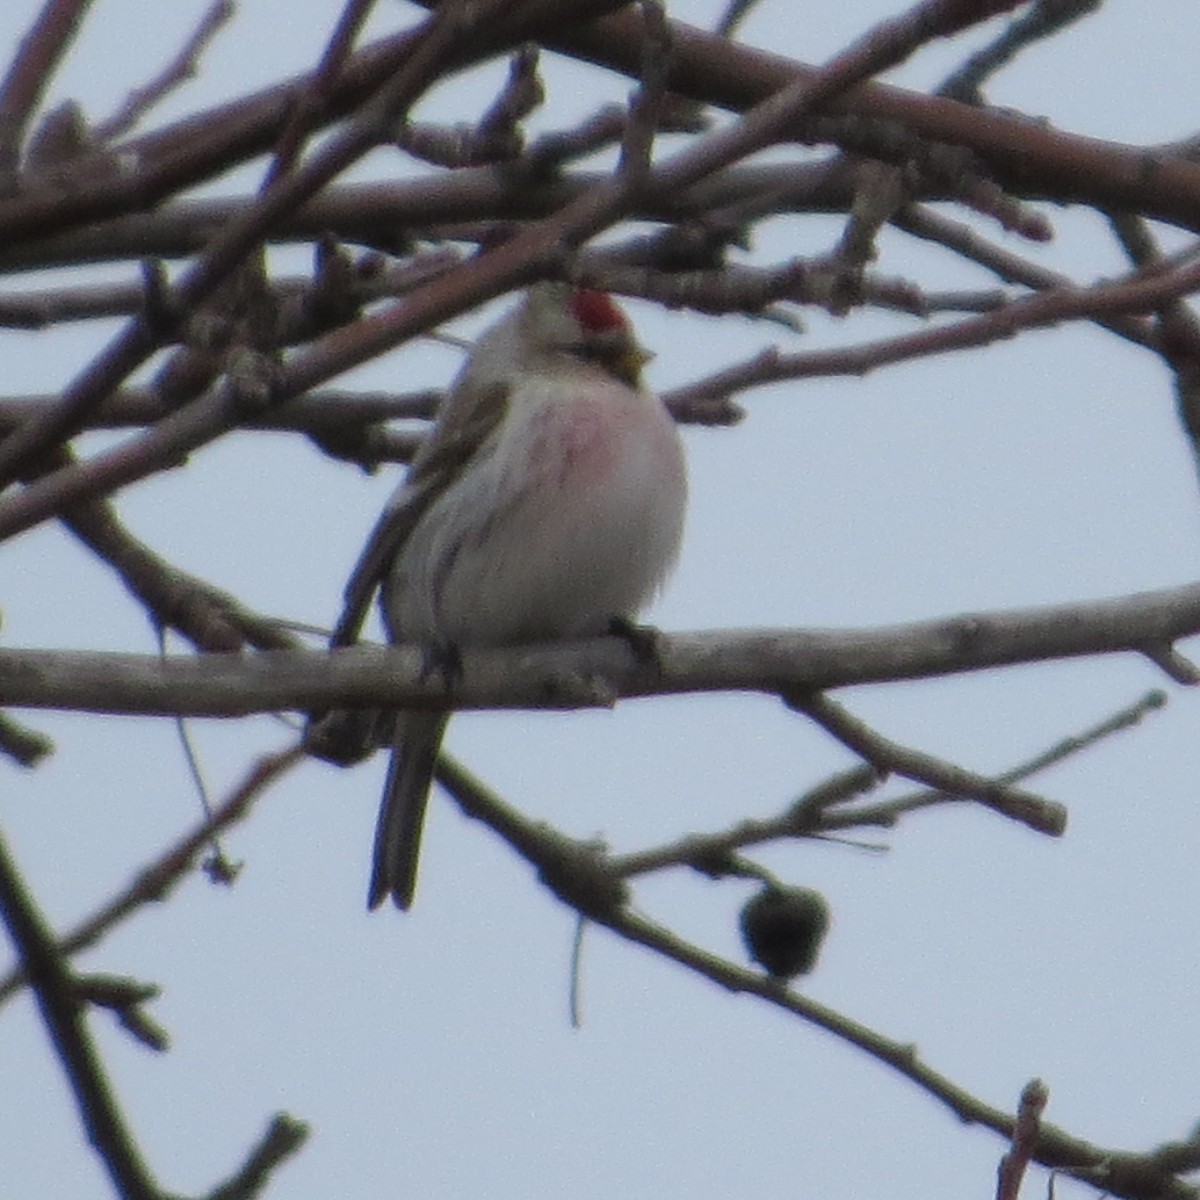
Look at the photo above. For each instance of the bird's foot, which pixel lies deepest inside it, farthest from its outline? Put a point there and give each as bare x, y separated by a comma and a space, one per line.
343, 736
443, 660
642, 640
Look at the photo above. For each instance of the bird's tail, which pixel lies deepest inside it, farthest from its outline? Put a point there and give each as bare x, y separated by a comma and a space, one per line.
402, 813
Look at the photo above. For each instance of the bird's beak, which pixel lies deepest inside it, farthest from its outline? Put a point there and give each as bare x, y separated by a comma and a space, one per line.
629, 365
617, 353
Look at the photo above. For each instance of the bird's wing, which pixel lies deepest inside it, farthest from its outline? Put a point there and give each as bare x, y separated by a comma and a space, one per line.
469, 418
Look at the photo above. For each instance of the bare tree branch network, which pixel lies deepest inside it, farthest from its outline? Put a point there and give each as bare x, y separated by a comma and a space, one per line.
204, 269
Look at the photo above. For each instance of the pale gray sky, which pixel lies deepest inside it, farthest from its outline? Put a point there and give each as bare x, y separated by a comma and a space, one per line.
432, 1053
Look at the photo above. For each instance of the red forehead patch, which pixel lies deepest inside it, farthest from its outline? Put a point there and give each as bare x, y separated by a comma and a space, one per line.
596, 311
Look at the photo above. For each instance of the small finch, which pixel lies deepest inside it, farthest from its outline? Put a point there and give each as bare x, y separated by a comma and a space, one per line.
547, 501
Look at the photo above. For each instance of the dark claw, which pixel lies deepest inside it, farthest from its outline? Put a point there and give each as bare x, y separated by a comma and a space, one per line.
344, 736
441, 659
641, 639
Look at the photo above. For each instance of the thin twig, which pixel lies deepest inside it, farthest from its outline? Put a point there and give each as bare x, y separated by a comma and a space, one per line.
887, 812
647, 102
1044, 19
125, 998
1134, 294
1043, 816
63, 1015
1137, 1177
923, 222
182, 68
496, 137
283, 1138
155, 881
836, 804
1026, 1132
1178, 335
575, 974
208, 617
711, 853
736, 11
20, 743
315, 96
1173, 663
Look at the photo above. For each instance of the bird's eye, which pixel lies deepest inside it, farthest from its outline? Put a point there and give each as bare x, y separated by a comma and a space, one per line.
591, 351
614, 352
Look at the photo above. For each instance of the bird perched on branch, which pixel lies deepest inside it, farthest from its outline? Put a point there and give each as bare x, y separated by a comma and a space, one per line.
546, 503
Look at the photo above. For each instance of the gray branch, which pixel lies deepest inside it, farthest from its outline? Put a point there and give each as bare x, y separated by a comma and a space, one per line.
600, 672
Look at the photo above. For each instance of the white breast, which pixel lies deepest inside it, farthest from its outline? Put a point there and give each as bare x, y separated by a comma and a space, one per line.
571, 514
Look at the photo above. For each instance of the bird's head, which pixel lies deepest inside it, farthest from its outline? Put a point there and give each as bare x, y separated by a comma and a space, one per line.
583, 323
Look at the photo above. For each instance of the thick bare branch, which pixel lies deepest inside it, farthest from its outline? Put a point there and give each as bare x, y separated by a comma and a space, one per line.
439, 43
1024, 157
596, 673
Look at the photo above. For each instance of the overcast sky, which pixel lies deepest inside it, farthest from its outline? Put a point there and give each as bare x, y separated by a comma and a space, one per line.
431, 1053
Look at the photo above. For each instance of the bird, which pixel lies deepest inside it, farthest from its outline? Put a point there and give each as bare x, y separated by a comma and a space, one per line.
546, 503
